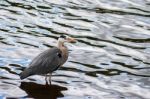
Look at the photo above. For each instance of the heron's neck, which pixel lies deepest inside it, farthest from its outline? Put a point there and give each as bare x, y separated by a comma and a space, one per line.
64, 51
60, 45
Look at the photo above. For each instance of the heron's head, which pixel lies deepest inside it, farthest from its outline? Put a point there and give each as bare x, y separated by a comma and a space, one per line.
65, 38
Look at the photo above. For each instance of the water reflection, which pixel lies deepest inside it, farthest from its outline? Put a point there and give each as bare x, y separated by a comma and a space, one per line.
39, 91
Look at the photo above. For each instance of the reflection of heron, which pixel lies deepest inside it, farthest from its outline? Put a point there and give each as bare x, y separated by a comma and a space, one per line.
39, 91
50, 60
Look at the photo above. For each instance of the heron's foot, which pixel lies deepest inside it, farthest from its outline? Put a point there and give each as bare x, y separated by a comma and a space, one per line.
48, 81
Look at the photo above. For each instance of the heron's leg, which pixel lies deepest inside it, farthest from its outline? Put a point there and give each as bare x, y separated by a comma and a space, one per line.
46, 80
50, 74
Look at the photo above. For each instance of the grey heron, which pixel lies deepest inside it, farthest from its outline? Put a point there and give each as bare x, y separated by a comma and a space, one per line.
49, 60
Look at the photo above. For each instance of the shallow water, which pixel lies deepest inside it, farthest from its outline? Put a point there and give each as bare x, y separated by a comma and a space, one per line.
110, 61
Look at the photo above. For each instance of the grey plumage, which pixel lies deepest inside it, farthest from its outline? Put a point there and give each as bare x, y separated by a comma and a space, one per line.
46, 62
50, 60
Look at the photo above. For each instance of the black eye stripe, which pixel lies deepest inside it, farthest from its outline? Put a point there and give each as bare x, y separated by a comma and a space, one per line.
63, 36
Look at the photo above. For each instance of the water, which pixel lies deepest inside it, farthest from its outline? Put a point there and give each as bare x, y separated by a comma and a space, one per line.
110, 61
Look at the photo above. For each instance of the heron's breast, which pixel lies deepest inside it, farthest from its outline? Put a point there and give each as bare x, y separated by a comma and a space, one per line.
64, 54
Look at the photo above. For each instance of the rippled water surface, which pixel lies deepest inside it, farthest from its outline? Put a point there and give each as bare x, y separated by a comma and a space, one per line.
111, 59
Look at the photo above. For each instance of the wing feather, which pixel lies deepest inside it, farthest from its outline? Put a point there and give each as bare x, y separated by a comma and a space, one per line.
45, 62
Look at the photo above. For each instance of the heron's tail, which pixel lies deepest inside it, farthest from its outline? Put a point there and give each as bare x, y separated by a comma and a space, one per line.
26, 73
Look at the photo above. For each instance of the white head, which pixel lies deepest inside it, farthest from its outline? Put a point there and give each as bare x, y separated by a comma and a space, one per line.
65, 38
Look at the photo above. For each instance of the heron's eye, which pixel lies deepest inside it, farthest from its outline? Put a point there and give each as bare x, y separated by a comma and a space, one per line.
59, 55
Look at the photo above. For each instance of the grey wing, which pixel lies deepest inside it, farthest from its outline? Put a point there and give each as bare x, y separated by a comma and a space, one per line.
46, 62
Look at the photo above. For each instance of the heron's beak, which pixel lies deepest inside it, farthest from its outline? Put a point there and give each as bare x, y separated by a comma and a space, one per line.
71, 40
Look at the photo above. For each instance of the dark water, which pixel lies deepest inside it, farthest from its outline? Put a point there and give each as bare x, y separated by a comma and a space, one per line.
110, 61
